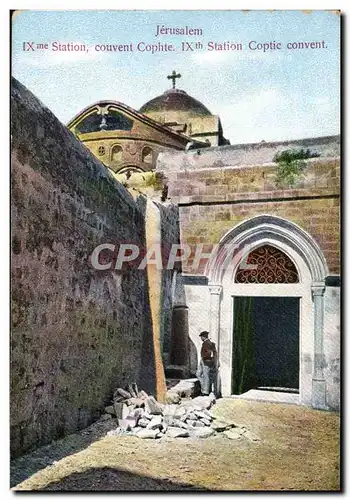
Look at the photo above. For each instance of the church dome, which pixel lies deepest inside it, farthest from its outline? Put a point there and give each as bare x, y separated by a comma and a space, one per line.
175, 100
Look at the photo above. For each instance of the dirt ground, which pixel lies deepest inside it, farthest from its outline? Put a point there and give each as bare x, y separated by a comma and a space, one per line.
298, 450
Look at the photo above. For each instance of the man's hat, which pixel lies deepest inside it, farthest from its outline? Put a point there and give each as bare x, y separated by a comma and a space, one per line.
204, 334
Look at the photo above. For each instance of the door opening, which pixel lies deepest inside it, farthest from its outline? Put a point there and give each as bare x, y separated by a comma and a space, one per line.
265, 344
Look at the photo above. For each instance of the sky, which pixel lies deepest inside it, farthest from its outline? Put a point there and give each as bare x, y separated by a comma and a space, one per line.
272, 96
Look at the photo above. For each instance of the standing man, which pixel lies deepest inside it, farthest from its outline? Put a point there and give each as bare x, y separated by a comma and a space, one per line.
207, 372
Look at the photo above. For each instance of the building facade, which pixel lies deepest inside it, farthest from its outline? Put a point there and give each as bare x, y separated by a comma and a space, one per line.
183, 113
124, 139
278, 320
272, 308
228, 197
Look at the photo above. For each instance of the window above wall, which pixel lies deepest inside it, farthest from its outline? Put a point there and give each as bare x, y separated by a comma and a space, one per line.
95, 122
271, 266
147, 155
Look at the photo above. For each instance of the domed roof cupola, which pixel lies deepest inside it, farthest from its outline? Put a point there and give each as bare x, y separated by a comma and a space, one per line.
174, 105
175, 100
184, 114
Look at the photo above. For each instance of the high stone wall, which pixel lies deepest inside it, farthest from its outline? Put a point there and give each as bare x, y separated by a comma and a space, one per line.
217, 189
258, 153
77, 333
213, 199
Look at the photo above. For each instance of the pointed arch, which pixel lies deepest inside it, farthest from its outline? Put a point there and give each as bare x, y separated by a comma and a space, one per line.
276, 231
267, 264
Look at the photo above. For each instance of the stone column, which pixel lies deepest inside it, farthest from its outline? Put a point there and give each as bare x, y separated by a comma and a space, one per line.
214, 313
318, 380
179, 339
214, 327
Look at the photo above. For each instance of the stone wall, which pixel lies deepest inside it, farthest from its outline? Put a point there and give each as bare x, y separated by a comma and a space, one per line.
214, 200
77, 333
217, 189
170, 233
134, 148
258, 153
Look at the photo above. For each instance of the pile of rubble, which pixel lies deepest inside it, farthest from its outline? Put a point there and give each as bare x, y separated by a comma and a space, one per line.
141, 415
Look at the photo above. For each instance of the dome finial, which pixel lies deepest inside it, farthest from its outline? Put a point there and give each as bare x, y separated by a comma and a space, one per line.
173, 77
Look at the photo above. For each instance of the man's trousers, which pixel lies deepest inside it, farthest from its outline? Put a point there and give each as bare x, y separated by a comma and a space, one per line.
208, 378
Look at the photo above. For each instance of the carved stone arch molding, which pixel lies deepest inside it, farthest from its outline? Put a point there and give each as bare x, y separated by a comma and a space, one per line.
312, 270
282, 233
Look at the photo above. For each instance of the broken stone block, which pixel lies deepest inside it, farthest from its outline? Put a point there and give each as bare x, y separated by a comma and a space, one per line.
202, 432
189, 419
200, 414
121, 410
136, 429
184, 391
155, 423
125, 424
180, 412
142, 394
136, 414
220, 426
191, 416
147, 415
202, 402
117, 398
122, 392
176, 432
206, 421
174, 422
110, 410
143, 422
199, 423
178, 423
147, 433
195, 423
172, 397
152, 406
135, 389
132, 421
208, 414
187, 388
170, 410
133, 394
138, 402
234, 433
134, 418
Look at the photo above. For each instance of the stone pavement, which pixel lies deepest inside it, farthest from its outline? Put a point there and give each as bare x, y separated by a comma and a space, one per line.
269, 396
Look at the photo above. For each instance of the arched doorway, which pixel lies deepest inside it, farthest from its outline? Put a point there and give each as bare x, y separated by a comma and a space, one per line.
303, 285
265, 343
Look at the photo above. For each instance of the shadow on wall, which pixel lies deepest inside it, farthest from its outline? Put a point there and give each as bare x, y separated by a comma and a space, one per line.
147, 374
110, 479
170, 235
193, 355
